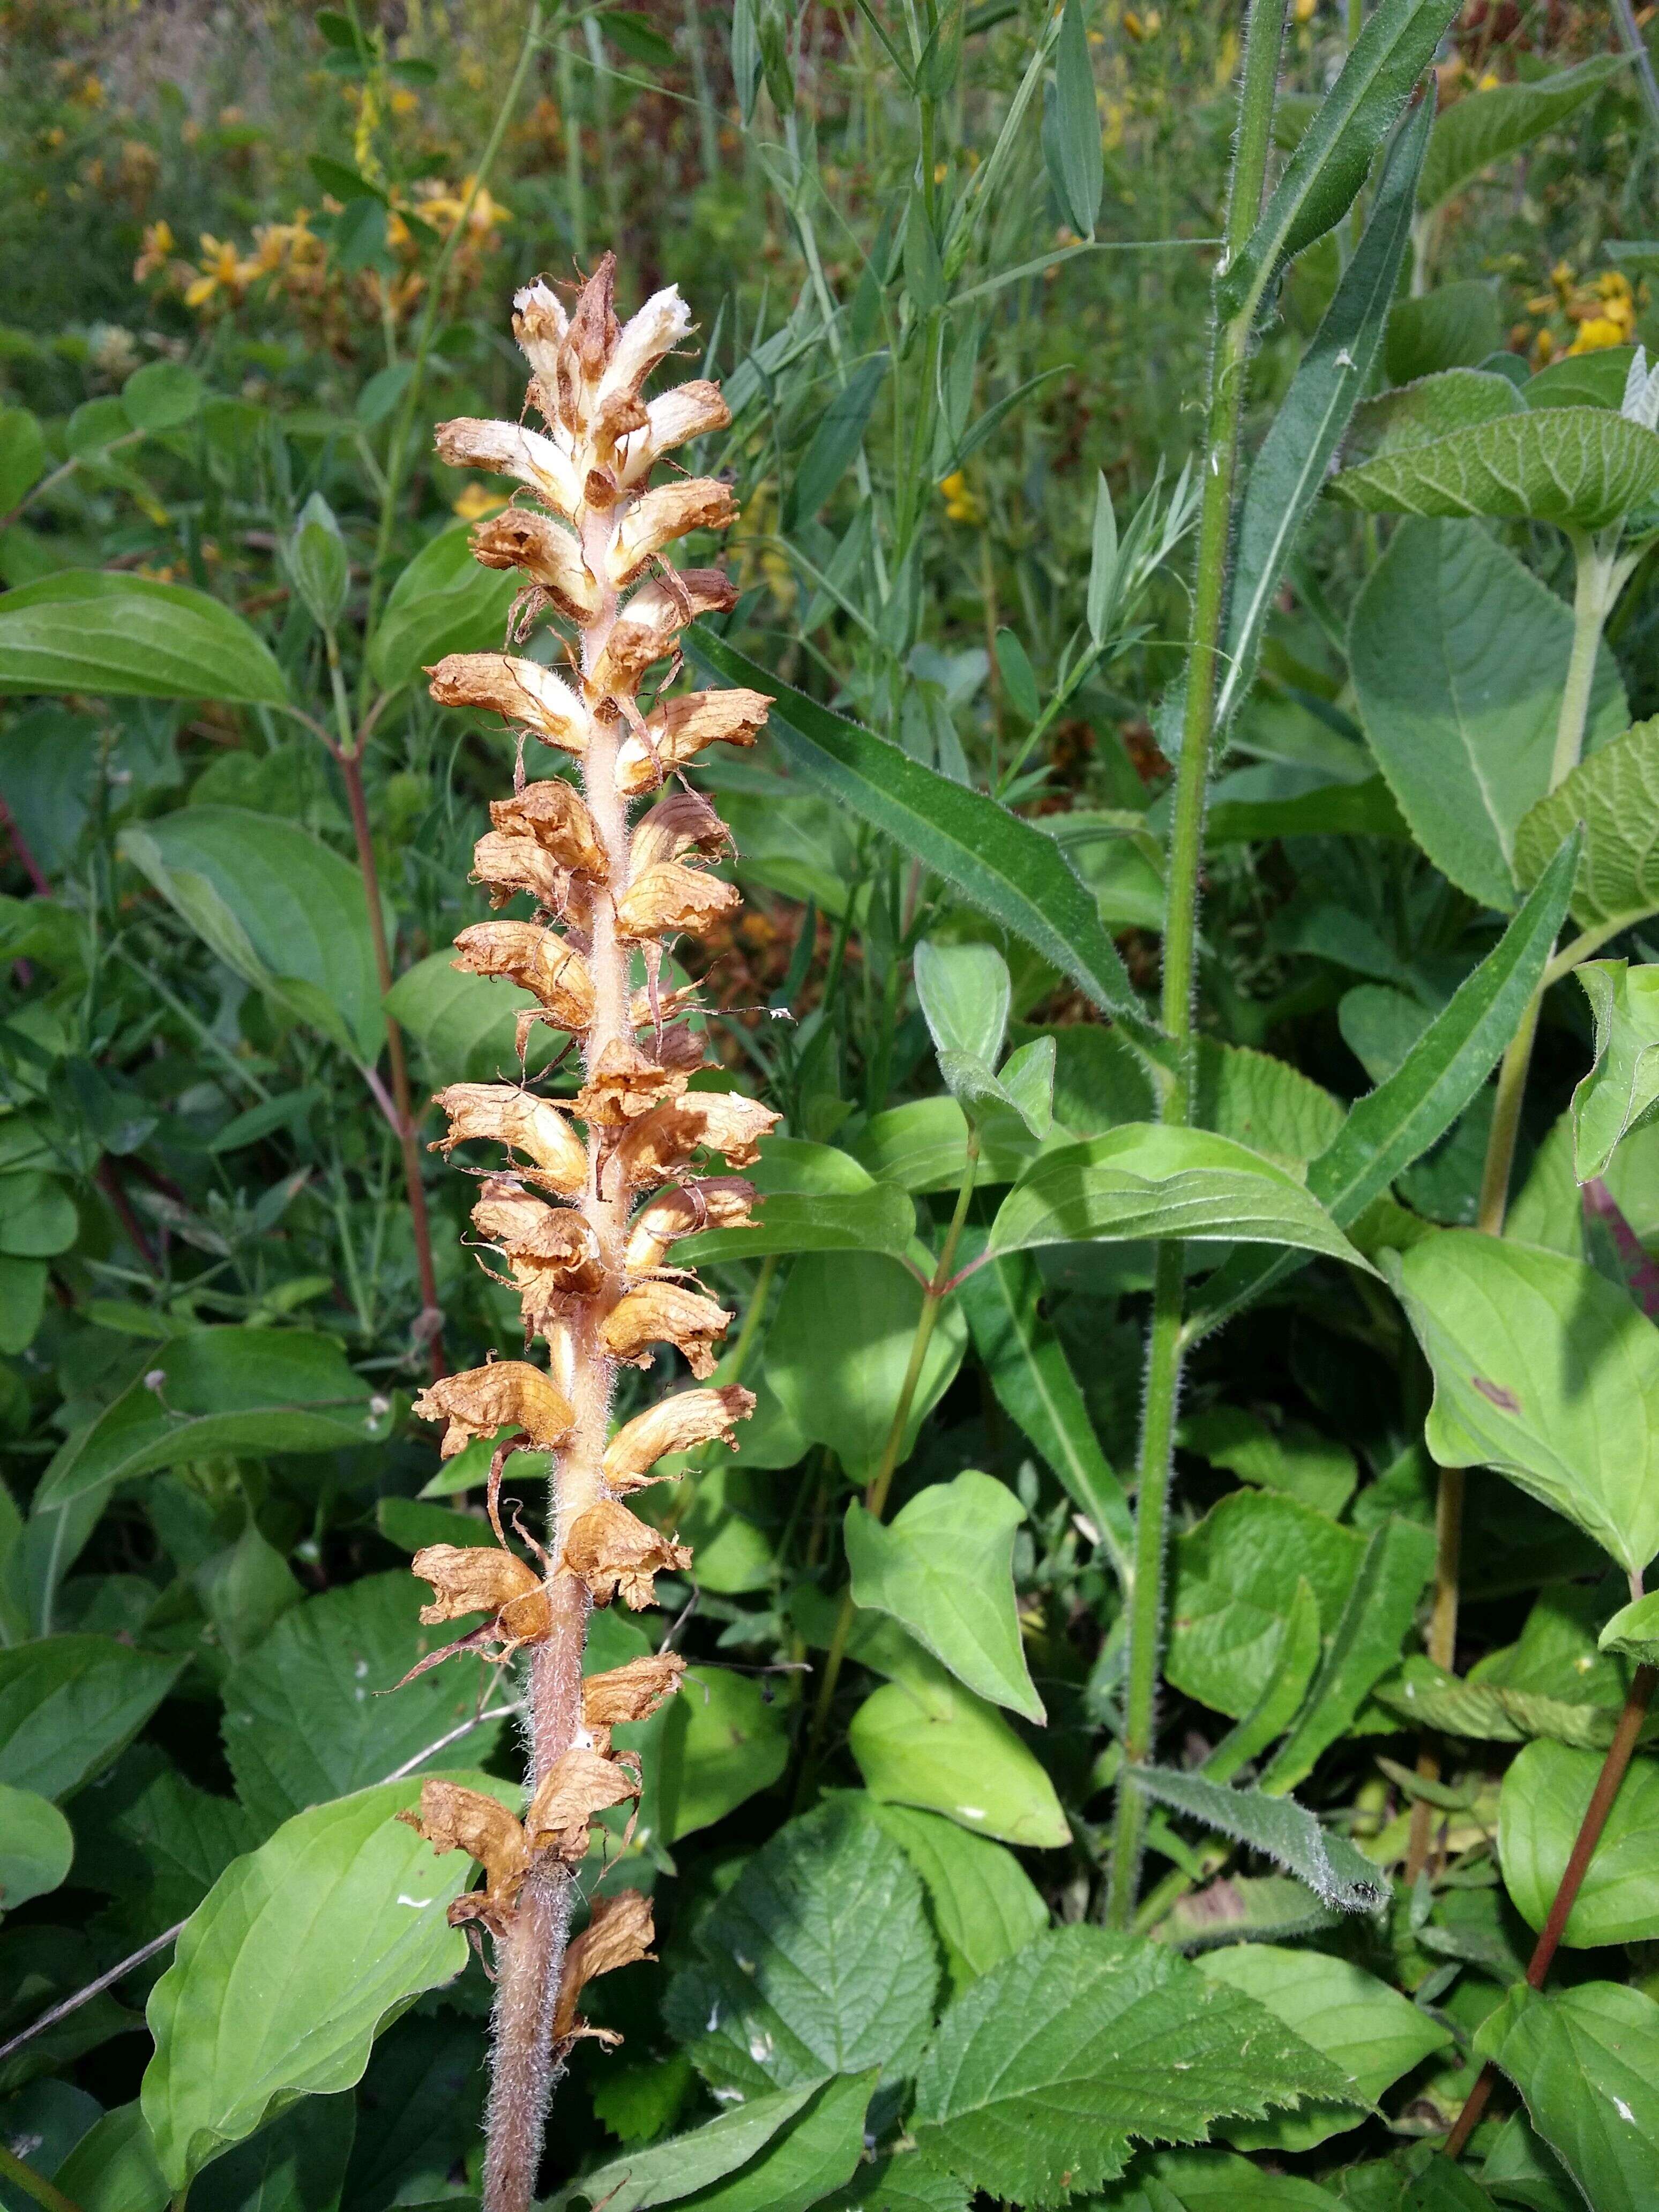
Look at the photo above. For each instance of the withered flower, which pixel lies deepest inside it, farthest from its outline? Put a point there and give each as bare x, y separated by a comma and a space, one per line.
531, 955
682, 822
551, 813
512, 451
625, 1083
520, 538
523, 690
509, 1392
671, 898
482, 1578
455, 1819
619, 1934
508, 864
665, 1313
669, 510
714, 1202
532, 1126
648, 628
616, 1554
579, 1784
677, 731
632, 1693
674, 1425
721, 1122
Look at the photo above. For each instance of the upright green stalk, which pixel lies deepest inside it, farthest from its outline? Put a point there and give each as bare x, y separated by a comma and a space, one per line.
1229, 362
1602, 572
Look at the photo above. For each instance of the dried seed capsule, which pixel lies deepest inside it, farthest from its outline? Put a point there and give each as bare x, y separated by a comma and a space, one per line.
676, 1424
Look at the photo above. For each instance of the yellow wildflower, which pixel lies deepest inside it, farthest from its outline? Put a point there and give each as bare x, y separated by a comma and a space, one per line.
477, 501
404, 102
961, 505
159, 247
1597, 331
222, 271
1304, 9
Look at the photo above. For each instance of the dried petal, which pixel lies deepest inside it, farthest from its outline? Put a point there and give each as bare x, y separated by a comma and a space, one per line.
678, 731
644, 339
619, 1934
547, 552
455, 1819
523, 1226
532, 1126
675, 1424
690, 410
665, 1313
665, 512
476, 1578
512, 451
643, 1015
579, 1784
523, 690
535, 957
540, 325
632, 1693
625, 1083
716, 1202
682, 822
722, 1122
509, 1392
670, 899
509, 864
617, 1554
551, 813
649, 626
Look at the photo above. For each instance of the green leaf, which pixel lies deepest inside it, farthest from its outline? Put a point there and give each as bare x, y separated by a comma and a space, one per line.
69, 1704
1417, 414
1484, 127
906, 2182
836, 440
1371, 2031
1583, 467
308, 1714
1634, 1630
1545, 1371
1288, 472
1334, 153
297, 2161
162, 395
1244, 1909
253, 1390
127, 637
1492, 1713
1027, 1368
1295, 1458
113, 2167
1339, 1875
1001, 866
1587, 2062
1256, 1100
943, 1569
1585, 379
1623, 1085
964, 992
982, 1903
878, 1219
444, 602
922, 1145
1454, 326
838, 1348
23, 456
1042, 2071
1215, 2181
1234, 1590
819, 1961
925, 1741
1150, 1181
318, 563
809, 2159
680, 2167
38, 1219
1072, 144
273, 903
718, 1742
1295, 1658
465, 1025
284, 1976
36, 1846
1547, 1792
1459, 654
1614, 793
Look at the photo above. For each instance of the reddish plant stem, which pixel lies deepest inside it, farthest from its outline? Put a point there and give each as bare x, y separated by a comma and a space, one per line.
1602, 1801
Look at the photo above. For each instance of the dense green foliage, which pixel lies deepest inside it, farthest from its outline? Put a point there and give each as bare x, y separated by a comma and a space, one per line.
993, 1859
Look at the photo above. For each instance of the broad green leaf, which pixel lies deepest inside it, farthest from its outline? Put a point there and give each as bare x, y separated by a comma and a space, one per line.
1454, 326
801, 1169
465, 1025
1267, 1908
807, 2161
1587, 2062
1234, 1588
667, 2172
280, 908
38, 1219
1484, 127
925, 1741
1282, 1693
1371, 2031
128, 637
1339, 1875
161, 396
836, 440
819, 1961
23, 456
1364, 1646
1001, 865
1546, 1794
1583, 467
113, 2167
1333, 154
1492, 1713
1623, 1085
283, 1977
838, 1348
943, 1569
1545, 1371
1214, 2181
982, 1903
1584, 380
308, 1714
253, 1390
1287, 473
297, 2161
156, 1842
1070, 134
1266, 1104
878, 1219
923, 1145
1614, 793
963, 991
1045, 2069
1296, 1457
36, 1846
717, 1743
69, 1704
1432, 407
1150, 1181
318, 562
906, 2182
1459, 654
444, 602
1027, 1368
1634, 1630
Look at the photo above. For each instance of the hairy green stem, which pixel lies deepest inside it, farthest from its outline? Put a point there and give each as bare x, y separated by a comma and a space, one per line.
1229, 363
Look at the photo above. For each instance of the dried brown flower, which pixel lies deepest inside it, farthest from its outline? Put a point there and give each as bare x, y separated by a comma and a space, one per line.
532, 1126
551, 813
677, 731
721, 1122
714, 1202
523, 690
648, 628
508, 1394
455, 1819
544, 549
671, 898
616, 1554
674, 1424
619, 1934
665, 1313
632, 1693
579, 1784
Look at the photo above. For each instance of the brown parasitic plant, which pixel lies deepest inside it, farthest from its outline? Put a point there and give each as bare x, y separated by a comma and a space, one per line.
584, 1198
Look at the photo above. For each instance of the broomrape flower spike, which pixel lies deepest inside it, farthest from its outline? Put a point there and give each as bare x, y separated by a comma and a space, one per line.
583, 1200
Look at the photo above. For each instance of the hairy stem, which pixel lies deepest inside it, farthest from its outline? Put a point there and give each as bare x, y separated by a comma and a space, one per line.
1228, 365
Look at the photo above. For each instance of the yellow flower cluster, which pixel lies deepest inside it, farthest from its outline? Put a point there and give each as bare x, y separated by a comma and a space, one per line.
962, 503
1602, 313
